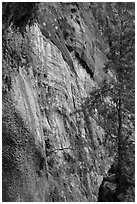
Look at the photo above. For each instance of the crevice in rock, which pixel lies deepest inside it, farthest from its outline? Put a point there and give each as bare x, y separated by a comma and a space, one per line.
69, 47
65, 34
84, 64
73, 10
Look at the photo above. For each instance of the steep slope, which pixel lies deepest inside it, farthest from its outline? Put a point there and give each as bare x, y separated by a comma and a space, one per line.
51, 63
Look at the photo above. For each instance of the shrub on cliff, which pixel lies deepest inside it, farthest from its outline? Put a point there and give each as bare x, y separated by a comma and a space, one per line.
16, 51
18, 13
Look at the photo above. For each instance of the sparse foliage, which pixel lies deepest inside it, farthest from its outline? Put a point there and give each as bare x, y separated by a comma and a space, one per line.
116, 22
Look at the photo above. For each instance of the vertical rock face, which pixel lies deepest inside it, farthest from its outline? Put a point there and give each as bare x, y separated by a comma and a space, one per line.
53, 148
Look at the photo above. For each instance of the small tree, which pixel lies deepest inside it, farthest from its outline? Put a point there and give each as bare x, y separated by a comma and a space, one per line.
118, 29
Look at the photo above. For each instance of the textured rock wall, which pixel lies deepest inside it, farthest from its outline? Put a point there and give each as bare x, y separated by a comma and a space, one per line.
68, 57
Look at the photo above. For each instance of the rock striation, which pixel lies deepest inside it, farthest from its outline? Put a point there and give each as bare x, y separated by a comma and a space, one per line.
53, 146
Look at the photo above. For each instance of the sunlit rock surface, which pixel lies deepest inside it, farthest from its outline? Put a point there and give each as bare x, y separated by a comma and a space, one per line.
68, 59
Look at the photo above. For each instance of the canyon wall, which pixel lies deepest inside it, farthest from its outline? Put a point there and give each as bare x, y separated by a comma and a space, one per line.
53, 146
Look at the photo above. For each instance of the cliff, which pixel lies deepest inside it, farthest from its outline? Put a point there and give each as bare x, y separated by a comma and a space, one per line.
53, 146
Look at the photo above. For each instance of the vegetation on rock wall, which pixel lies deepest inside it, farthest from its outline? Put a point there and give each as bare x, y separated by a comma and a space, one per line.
117, 26
66, 118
